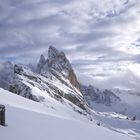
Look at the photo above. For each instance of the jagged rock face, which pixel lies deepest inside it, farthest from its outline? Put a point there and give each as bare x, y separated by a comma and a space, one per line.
56, 78
92, 94
73, 79
21, 80
41, 63
9, 80
57, 61
52, 52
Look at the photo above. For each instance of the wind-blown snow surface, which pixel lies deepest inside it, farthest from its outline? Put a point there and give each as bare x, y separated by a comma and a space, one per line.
33, 121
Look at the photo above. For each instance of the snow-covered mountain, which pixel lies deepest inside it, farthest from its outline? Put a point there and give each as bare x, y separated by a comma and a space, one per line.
55, 87
54, 77
33, 121
124, 102
92, 94
57, 63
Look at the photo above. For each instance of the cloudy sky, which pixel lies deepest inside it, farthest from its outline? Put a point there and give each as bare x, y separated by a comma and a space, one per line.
100, 38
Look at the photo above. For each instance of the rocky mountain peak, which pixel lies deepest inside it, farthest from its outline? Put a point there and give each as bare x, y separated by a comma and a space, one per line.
57, 61
42, 58
41, 63
52, 52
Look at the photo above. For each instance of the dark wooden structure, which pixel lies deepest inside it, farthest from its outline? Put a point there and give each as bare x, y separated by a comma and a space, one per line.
2, 115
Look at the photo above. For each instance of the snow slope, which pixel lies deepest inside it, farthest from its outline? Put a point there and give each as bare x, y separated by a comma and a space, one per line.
30, 120
131, 101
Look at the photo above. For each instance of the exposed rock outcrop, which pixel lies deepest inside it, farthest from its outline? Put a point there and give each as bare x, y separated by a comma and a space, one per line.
57, 61
92, 94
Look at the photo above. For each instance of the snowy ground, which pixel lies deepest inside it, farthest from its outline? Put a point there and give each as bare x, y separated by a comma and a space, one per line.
117, 121
33, 121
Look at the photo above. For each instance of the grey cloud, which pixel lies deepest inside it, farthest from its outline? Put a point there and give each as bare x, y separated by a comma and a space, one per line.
90, 37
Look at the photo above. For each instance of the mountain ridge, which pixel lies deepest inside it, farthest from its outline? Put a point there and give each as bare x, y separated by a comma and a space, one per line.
56, 78
52, 90
57, 61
